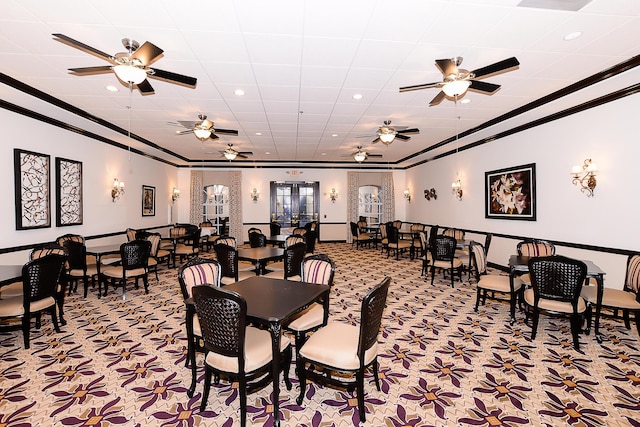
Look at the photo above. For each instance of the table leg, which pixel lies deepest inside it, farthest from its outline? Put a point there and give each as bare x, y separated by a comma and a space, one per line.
512, 307
275, 329
600, 292
98, 256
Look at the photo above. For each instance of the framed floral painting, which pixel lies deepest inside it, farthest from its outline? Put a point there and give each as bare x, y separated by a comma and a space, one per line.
510, 193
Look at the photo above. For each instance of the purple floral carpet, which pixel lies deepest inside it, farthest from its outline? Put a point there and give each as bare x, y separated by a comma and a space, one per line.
441, 364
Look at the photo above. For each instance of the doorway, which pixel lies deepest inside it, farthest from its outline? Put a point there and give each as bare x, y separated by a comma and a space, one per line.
294, 204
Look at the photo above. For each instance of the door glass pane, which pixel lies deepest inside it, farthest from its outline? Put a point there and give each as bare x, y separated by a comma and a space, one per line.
306, 206
283, 204
216, 206
370, 204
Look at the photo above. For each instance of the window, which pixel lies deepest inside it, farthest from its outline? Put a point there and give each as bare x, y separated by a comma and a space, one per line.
216, 207
370, 204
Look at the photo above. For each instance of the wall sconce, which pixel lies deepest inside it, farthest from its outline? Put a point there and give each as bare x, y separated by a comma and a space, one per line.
254, 195
430, 194
175, 195
585, 176
407, 195
117, 190
456, 189
333, 195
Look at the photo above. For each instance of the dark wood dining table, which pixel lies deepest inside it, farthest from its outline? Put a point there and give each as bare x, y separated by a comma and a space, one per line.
520, 265
260, 256
278, 239
273, 303
98, 252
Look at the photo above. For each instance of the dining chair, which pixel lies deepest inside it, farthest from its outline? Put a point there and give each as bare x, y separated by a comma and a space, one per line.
345, 348
157, 253
556, 284
231, 241
191, 245
40, 279
360, 239
493, 283
232, 348
395, 243
443, 250
299, 231
195, 272
289, 241
293, 256
532, 248
310, 239
417, 243
53, 248
227, 256
426, 253
257, 239
131, 234
77, 267
397, 224
135, 265
274, 228
626, 299
384, 239
321, 270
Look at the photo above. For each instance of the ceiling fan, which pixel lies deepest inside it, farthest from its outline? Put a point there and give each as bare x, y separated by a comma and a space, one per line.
360, 155
132, 66
202, 129
387, 134
230, 154
456, 80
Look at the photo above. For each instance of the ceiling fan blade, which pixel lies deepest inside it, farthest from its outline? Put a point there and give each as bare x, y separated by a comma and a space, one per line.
419, 87
412, 130
437, 99
374, 155
145, 87
403, 137
376, 140
246, 153
225, 131
174, 77
188, 124
92, 70
183, 132
483, 86
213, 136
503, 65
79, 45
147, 53
447, 66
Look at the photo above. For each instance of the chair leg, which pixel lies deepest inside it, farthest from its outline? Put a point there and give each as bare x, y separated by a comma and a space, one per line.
207, 387
242, 388
54, 318
287, 368
478, 292
375, 373
433, 270
360, 392
302, 379
145, 280
26, 326
534, 327
625, 316
576, 322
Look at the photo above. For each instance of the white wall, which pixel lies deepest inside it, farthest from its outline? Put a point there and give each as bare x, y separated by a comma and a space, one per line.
101, 164
607, 134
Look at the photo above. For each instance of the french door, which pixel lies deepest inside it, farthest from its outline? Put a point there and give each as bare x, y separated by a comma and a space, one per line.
294, 204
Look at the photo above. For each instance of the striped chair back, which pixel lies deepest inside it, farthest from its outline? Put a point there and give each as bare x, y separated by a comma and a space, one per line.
452, 232
632, 281
198, 271
293, 239
318, 269
535, 248
479, 257
227, 240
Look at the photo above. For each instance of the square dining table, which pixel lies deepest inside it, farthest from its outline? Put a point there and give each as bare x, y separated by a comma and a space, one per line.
273, 303
98, 252
520, 265
260, 256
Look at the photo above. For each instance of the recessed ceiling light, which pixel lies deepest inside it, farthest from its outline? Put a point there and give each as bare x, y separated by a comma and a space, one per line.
267, 152
258, 133
357, 96
573, 36
465, 101
111, 88
239, 92
334, 135
324, 154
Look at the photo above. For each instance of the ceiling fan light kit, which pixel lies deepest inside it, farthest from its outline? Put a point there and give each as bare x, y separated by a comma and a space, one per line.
202, 134
360, 156
456, 88
130, 73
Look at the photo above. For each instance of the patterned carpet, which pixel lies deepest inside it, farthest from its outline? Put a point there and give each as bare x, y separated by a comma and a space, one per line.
442, 364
